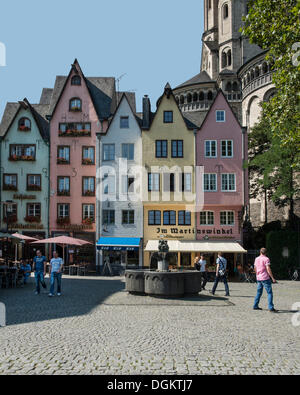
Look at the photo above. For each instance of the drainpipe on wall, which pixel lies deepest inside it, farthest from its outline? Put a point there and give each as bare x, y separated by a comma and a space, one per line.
195, 179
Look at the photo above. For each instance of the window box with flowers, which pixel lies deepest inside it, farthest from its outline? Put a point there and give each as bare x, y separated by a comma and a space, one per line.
13, 157
33, 187
87, 161
32, 218
27, 158
23, 128
63, 221
64, 192
88, 193
88, 221
10, 187
11, 219
63, 161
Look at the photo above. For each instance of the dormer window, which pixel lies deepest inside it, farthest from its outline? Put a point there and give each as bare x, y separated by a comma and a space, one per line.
75, 104
24, 125
76, 80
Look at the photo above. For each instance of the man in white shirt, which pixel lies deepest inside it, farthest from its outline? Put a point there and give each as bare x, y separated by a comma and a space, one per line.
56, 270
201, 267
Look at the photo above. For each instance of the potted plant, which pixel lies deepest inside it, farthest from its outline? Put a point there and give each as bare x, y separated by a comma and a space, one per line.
32, 218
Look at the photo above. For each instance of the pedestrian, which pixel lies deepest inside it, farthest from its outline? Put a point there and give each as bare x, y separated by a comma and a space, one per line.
221, 274
265, 278
201, 267
39, 268
56, 269
25, 268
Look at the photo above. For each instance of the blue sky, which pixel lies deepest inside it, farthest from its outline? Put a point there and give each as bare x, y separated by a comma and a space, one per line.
152, 42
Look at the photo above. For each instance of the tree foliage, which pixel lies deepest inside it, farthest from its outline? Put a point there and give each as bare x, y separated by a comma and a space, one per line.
274, 26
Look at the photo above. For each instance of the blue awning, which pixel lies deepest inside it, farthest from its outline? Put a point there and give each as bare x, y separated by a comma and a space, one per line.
119, 243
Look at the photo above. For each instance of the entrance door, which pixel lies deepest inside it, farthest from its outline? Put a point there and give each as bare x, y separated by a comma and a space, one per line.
186, 259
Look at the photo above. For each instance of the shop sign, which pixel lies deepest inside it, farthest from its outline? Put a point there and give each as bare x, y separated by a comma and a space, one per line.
24, 197
76, 227
27, 226
117, 248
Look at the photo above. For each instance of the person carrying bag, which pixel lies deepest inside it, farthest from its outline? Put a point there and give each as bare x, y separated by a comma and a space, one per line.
221, 274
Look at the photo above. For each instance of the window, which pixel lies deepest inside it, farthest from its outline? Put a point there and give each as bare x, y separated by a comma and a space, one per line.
168, 116
63, 186
10, 212
210, 149
75, 104
186, 182
161, 149
76, 80
34, 182
128, 151
88, 213
228, 182
63, 154
108, 217
154, 217
124, 122
88, 186
128, 217
206, 218
184, 218
153, 182
128, 184
24, 125
109, 184
63, 210
169, 182
210, 96
169, 217
220, 116
227, 218
177, 148
108, 152
88, 155
225, 11
22, 152
227, 148
210, 182
34, 210
10, 182
74, 129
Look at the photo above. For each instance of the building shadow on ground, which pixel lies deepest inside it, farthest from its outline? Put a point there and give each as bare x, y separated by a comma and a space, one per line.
79, 297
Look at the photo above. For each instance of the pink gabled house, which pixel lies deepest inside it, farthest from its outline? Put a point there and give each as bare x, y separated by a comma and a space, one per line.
222, 186
79, 108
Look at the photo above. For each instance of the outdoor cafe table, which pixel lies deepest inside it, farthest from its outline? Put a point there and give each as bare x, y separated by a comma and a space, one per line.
73, 269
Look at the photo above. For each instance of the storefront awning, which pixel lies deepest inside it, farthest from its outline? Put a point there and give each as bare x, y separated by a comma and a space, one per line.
198, 246
119, 243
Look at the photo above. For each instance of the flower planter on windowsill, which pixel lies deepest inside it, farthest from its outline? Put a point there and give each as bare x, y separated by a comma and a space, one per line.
24, 129
63, 221
25, 158
31, 219
87, 162
74, 133
63, 193
12, 219
88, 221
62, 161
88, 193
7, 187
34, 187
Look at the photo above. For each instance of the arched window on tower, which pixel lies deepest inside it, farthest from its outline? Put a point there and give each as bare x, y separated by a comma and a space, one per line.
225, 11
209, 4
224, 59
229, 58
265, 68
201, 96
195, 97
256, 71
181, 99
189, 98
235, 86
209, 96
228, 87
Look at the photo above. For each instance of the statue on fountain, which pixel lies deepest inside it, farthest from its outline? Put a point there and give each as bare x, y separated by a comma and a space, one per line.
163, 249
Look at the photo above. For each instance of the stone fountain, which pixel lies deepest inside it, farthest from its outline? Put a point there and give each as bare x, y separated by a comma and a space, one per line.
162, 282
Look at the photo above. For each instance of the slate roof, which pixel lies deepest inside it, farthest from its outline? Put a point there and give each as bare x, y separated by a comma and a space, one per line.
130, 97
196, 118
46, 96
8, 115
200, 78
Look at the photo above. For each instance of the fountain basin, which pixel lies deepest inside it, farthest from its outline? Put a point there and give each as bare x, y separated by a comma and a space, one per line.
163, 284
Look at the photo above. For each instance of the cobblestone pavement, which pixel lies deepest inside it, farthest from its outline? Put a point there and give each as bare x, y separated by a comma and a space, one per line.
95, 327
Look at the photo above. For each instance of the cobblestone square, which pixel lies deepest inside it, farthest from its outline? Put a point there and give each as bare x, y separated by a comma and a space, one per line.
95, 327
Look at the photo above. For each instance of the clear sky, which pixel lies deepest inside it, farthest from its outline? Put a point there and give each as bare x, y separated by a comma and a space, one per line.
151, 41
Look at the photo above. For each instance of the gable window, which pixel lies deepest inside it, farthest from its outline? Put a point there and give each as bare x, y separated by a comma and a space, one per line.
210, 182
128, 151
210, 149
88, 213
227, 148
161, 148
227, 217
10, 182
76, 80
124, 122
206, 218
153, 182
228, 183
34, 182
22, 152
88, 186
177, 148
108, 152
169, 217
168, 116
220, 116
24, 125
154, 217
128, 217
184, 218
169, 182
88, 155
108, 217
75, 104
63, 186
63, 154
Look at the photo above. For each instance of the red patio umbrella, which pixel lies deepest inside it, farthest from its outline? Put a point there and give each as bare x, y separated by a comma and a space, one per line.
23, 237
63, 240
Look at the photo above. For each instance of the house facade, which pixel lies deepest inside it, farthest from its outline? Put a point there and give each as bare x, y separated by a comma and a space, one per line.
25, 169
120, 208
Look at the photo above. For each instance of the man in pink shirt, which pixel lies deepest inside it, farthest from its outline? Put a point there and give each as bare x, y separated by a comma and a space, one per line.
264, 277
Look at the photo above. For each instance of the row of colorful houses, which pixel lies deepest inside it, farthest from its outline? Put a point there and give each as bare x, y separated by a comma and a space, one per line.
83, 162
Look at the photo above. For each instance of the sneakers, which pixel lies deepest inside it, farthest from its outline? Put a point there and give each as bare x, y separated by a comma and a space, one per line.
257, 308
36, 293
273, 311
50, 295
59, 294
